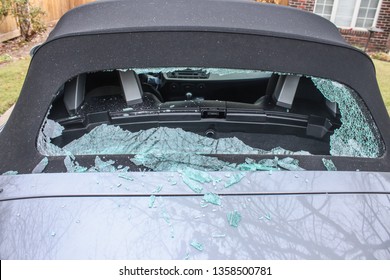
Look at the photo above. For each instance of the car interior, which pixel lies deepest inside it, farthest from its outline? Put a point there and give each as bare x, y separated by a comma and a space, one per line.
263, 109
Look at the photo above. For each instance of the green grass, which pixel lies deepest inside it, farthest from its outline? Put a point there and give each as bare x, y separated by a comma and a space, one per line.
13, 73
383, 77
5, 58
11, 80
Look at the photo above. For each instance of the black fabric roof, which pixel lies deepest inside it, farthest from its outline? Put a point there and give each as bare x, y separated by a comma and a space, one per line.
236, 34
242, 16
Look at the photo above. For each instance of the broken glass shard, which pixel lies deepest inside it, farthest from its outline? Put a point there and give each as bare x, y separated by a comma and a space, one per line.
180, 161
68, 164
219, 235
158, 189
110, 139
198, 246
152, 199
123, 169
104, 166
281, 151
41, 166
197, 175
215, 71
289, 164
329, 165
255, 167
166, 217
73, 166
11, 172
182, 150
357, 136
212, 198
195, 187
234, 218
52, 129
126, 177
234, 179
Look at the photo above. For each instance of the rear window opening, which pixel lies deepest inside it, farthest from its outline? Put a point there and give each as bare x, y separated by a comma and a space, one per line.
195, 111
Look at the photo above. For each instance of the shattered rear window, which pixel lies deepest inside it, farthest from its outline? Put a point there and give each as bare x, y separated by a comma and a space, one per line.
175, 118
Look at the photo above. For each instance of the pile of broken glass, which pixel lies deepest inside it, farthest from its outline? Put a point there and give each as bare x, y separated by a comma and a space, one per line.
174, 149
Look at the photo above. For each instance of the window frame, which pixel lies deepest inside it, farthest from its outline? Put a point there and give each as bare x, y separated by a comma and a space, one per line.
354, 16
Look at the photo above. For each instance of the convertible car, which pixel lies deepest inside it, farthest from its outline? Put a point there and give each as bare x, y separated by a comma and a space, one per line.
197, 129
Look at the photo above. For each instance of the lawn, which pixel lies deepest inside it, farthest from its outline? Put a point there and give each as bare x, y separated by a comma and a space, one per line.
383, 76
12, 75
11, 80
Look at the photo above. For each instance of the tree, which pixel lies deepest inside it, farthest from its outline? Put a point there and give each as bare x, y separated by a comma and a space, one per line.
28, 17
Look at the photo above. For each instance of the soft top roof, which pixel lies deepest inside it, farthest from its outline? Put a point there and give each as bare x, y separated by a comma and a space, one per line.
109, 35
236, 16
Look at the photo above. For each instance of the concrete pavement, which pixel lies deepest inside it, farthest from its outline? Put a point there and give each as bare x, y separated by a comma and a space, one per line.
4, 117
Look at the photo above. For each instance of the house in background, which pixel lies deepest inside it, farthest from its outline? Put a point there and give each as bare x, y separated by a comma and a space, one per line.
354, 18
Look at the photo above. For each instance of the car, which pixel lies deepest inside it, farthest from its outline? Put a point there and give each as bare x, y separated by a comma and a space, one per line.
198, 129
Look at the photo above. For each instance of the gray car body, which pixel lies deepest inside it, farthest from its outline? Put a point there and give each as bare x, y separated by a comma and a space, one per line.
285, 215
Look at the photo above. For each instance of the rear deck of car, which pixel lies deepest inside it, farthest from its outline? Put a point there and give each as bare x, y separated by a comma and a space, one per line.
305, 58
